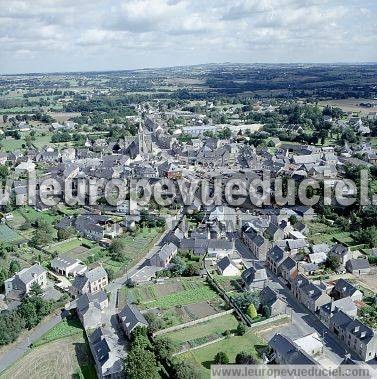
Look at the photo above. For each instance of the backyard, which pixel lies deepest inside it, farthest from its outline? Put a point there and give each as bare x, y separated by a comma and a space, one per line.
322, 233
170, 293
203, 357
204, 332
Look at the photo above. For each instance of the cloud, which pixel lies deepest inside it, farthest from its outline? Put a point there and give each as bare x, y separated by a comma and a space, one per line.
140, 33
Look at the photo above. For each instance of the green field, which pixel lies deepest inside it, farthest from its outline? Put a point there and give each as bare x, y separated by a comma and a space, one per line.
9, 235
33, 215
215, 326
66, 246
194, 295
10, 145
185, 291
322, 233
65, 328
203, 357
137, 246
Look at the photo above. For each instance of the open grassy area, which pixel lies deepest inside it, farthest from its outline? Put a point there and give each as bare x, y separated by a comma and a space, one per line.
9, 235
65, 358
11, 144
169, 294
137, 247
203, 357
215, 326
33, 215
65, 328
66, 246
322, 233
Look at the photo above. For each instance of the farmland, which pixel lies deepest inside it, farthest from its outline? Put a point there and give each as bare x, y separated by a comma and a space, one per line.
62, 358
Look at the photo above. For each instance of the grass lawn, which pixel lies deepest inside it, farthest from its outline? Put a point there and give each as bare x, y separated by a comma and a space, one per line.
10, 145
65, 328
64, 358
215, 326
203, 357
64, 247
33, 215
182, 292
137, 246
9, 235
194, 295
322, 233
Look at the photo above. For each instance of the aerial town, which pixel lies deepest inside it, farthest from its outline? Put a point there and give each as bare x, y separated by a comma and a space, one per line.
168, 287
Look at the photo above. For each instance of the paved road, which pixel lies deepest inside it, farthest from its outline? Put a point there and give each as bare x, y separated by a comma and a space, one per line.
16, 352
303, 321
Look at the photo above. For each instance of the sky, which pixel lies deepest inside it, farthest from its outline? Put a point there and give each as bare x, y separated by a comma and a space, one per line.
91, 35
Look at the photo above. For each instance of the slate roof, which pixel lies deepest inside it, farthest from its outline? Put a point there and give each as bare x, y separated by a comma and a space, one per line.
268, 296
225, 262
62, 262
276, 253
131, 317
85, 300
292, 353
288, 263
96, 274
29, 274
358, 264
345, 288
345, 305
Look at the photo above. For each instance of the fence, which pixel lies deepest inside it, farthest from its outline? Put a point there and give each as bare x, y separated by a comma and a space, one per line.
191, 323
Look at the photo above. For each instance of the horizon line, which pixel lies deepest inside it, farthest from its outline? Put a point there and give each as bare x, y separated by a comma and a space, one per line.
362, 63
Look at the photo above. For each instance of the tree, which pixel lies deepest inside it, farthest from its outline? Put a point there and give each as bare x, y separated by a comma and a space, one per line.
139, 338
26, 225
221, 358
244, 358
244, 299
251, 311
4, 275
35, 290
11, 325
266, 311
164, 348
367, 236
186, 370
141, 364
241, 329
14, 267
293, 219
333, 262
118, 250
154, 322
192, 269
43, 234
179, 266
4, 172
64, 234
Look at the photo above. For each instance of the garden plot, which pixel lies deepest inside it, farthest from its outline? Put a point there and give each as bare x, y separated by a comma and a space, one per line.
170, 293
203, 332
